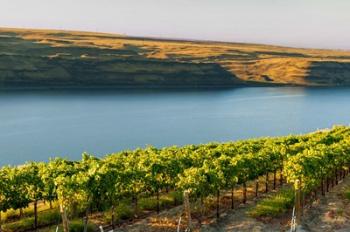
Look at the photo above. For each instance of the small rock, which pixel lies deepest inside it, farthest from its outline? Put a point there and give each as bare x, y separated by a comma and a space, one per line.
257, 229
330, 214
300, 229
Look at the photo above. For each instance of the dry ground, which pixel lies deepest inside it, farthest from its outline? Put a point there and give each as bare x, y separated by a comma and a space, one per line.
329, 214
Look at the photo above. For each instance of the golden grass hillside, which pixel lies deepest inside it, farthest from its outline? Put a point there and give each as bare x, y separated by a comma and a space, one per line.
51, 58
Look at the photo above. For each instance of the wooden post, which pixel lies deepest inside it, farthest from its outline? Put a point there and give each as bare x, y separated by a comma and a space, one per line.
327, 184
113, 217
315, 194
187, 209
297, 203
0, 222
281, 177
158, 204
136, 211
274, 180
267, 182
175, 200
86, 220
322, 187
64, 218
218, 203
244, 192
256, 187
232, 197
202, 210
341, 173
336, 176
302, 202
35, 215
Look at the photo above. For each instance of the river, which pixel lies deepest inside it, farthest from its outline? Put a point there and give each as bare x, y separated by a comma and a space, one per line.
36, 125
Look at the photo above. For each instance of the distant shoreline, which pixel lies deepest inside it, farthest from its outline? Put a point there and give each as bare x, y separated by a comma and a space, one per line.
256, 85
51, 59
44, 88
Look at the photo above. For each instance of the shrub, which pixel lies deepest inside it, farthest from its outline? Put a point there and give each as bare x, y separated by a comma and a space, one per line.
124, 211
347, 193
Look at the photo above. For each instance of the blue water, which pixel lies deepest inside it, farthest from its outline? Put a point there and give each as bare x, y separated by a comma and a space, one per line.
36, 125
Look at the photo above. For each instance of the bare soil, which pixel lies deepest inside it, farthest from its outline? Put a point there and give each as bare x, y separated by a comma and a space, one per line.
330, 213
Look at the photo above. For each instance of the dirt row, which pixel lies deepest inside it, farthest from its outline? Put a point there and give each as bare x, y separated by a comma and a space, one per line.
328, 214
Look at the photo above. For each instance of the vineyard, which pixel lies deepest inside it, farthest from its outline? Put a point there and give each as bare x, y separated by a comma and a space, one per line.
309, 163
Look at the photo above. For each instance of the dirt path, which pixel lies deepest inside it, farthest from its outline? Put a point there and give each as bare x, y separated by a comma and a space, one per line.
230, 220
239, 221
330, 213
235, 220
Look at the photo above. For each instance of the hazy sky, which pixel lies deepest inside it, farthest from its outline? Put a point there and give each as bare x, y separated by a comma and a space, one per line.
301, 23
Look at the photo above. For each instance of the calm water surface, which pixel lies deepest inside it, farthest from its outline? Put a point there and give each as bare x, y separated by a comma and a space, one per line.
36, 125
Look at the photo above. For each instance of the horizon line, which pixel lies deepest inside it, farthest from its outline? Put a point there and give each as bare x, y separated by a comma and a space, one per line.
179, 39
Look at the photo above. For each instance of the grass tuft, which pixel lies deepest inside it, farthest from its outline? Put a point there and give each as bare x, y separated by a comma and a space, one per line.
347, 193
151, 202
275, 205
45, 218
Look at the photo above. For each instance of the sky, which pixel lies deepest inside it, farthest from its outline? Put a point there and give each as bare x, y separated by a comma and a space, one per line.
296, 23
